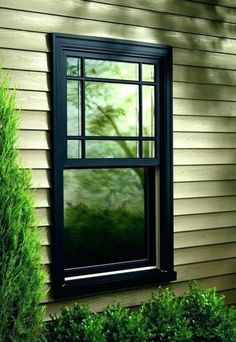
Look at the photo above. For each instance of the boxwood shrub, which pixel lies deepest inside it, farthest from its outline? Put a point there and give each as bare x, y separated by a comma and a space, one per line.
198, 315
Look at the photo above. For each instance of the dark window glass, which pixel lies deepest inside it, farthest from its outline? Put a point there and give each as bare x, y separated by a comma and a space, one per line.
104, 216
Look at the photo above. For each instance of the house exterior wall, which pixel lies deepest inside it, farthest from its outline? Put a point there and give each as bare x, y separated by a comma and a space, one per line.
203, 36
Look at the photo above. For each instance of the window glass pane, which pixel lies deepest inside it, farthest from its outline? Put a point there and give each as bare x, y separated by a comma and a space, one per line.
73, 66
104, 216
148, 149
73, 149
148, 72
111, 69
111, 109
111, 149
73, 108
148, 111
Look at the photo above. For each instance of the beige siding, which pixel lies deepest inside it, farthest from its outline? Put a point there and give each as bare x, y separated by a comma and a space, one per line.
203, 34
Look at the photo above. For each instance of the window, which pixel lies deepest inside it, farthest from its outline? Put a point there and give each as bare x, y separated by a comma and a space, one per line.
112, 164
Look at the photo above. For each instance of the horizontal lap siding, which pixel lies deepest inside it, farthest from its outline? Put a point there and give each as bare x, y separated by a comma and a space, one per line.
204, 107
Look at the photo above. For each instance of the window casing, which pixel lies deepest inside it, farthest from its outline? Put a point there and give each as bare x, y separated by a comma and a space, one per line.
126, 142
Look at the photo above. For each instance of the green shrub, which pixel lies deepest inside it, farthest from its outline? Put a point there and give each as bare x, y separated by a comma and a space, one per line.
164, 318
209, 319
74, 324
21, 276
197, 316
120, 324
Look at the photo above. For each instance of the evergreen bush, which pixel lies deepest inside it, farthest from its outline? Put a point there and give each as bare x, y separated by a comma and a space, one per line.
196, 316
21, 276
165, 318
76, 324
120, 324
209, 319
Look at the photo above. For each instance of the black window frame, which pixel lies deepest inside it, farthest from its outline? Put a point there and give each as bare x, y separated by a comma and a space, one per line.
67, 283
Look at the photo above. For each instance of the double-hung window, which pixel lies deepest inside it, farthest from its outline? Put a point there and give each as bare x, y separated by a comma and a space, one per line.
112, 164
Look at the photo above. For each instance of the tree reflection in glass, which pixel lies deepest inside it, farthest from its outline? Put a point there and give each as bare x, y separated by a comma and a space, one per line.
111, 109
103, 216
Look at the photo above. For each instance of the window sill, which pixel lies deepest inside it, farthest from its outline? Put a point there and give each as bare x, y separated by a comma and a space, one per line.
92, 285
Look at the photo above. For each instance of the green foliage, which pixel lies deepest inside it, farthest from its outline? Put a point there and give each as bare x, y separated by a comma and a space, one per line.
102, 234
120, 324
196, 316
115, 324
209, 319
21, 277
165, 318
75, 324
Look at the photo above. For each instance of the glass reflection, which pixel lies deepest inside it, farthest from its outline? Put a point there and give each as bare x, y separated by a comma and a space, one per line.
73, 149
73, 66
111, 109
148, 111
111, 149
73, 108
148, 72
148, 149
111, 69
104, 216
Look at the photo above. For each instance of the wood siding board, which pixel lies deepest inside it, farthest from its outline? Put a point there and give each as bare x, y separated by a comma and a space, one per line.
204, 237
194, 173
33, 100
204, 107
184, 73
18, 38
136, 17
37, 140
206, 269
204, 189
35, 159
42, 198
44, 217
204, 140
40, 179
187, 123
228, 3
204, 205
204, 91
34, 120
204, 156
191, 9
44, 235
25, 60
45, 23
230, 296
205, 221
28, 80
204, 59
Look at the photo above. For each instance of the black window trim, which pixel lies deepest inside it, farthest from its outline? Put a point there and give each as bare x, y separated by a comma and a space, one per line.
132, 51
